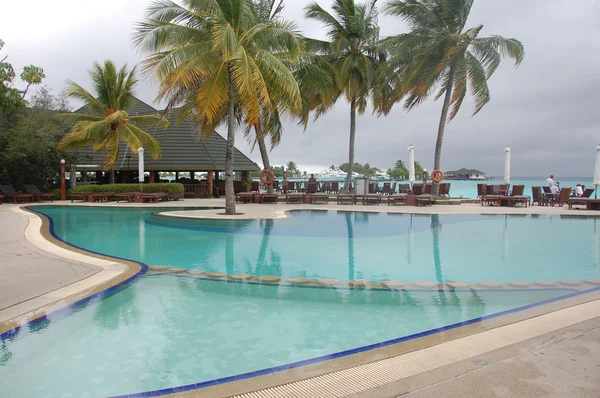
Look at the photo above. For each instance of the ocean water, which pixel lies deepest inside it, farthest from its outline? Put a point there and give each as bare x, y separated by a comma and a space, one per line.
468, 189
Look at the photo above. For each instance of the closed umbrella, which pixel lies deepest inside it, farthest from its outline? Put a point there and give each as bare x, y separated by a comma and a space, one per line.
411, 165
597, 170
141, 165
507, 165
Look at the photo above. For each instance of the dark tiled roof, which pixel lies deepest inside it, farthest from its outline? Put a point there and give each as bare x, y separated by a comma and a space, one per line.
181, 145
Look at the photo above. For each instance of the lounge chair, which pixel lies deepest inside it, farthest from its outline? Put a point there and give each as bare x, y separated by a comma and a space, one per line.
311, 188
244, 197
583, 199
396, 199
565, 195
417, 189
296, 197
37, 194
491, 199
154, 197
334, 186
269, 198
403, 188
481, 190
128, 196
370, 198
346, 197
445, 189
425, 199
9, 193
319, 197
536, 196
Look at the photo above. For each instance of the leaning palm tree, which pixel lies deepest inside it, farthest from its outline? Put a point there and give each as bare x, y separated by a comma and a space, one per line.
224, 66
352, 51
440, 53
106, 122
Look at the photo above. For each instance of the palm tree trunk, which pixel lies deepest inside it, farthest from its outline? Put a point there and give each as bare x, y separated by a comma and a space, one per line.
111, 176
229, 191
351, 145
264, 154
443, 119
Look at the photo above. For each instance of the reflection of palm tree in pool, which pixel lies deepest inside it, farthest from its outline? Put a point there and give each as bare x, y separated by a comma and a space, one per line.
350, 229
436, 227
117, 307
263, 266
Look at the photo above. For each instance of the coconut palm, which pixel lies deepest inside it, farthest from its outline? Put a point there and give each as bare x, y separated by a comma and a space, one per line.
224, 66
352, 50
440, 53
106, 122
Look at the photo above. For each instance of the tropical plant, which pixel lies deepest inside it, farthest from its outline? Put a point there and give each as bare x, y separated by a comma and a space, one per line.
440, 53
352, 51
217, 60
104, 121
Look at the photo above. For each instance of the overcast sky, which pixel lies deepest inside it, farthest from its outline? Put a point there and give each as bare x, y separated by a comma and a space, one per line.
547, 110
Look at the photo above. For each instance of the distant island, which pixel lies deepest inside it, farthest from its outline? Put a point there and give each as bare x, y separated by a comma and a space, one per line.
466, 174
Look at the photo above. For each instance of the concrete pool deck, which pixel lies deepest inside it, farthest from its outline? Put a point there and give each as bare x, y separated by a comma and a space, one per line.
52, 274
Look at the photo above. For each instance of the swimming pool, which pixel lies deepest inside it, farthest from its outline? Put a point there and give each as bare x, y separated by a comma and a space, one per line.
345, 245
165, 333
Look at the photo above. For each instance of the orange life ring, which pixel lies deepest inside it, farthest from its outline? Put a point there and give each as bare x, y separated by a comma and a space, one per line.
437, 175
269, 180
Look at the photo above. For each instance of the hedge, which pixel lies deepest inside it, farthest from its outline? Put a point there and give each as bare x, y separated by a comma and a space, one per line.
175, 190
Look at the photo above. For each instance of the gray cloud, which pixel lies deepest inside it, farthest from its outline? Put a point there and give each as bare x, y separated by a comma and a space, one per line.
546, 110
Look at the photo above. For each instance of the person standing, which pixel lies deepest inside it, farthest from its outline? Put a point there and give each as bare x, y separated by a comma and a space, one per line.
550, 181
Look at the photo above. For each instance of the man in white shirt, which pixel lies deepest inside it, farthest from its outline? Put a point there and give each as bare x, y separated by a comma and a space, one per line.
550, 181
555, 189
579, 190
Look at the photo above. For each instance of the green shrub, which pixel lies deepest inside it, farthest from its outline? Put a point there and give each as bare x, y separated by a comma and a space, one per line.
175, 190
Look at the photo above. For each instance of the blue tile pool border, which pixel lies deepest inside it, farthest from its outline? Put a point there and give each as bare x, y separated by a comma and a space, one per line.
188, 387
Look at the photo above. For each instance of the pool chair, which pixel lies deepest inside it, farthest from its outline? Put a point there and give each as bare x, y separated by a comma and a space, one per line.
417, 189
583, 199
481, 190
346, 197
536, 196
269, 198
154, 197
403, 188
296, 197
425, 199
244, 197
37, 194
371, 198
319, 197
563, 197
9, 193
399, 198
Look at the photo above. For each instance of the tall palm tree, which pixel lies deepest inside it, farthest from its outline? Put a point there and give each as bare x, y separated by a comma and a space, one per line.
352, 50
217, 60
440, 53
106, 122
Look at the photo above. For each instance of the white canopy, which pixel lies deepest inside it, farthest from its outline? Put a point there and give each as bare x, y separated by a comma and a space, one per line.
507, 165
597, 168
411, 164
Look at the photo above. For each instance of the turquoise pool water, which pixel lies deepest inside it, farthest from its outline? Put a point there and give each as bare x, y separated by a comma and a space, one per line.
346, 246
165, 333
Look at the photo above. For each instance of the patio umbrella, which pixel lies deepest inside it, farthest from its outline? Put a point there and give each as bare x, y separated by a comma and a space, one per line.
141, 165
597, 170
507, 165
596, 246
411, 164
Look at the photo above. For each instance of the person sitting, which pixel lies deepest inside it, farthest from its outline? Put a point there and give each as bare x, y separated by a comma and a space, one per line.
312, 179
578, 191
550, 181
555, 189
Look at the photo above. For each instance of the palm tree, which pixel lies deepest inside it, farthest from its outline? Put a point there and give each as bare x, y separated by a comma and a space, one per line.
217, 60
106, 122
352, 50
440, 52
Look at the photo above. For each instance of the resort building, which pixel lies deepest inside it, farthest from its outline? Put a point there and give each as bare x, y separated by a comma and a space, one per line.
465, 174
184, 154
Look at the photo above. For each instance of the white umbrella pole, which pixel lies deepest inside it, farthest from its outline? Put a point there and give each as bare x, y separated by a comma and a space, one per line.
597, 171
411, 165
507, 165
141, 166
